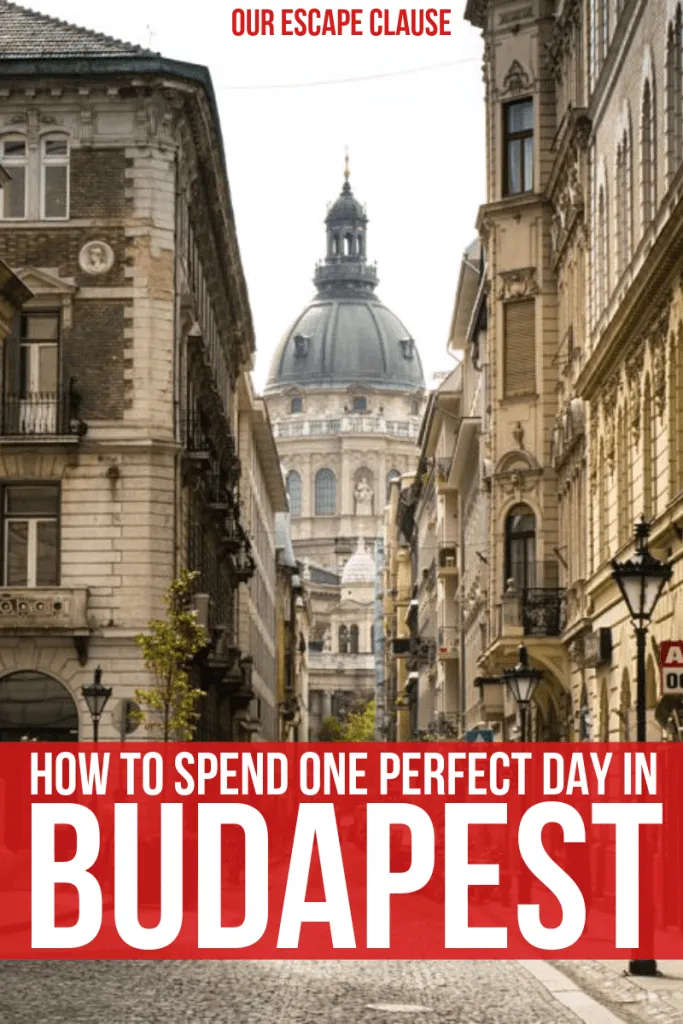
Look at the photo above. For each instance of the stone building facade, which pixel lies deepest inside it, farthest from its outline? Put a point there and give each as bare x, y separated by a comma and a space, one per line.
346, 395
119, 435
581, 230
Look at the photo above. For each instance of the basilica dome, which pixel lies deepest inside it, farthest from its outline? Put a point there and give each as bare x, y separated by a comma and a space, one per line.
360, 567
346, 335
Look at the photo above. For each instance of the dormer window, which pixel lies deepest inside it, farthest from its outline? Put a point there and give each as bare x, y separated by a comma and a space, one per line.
360, 404
407, 347
300, 346
296, 405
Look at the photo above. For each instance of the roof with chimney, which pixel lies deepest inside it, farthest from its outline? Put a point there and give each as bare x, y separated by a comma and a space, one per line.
26, 34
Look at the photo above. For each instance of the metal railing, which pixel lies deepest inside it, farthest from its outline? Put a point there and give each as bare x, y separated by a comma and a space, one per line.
39, 414
542, 611
352, 423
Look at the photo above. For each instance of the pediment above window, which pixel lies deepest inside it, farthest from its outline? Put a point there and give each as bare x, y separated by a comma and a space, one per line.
46, 284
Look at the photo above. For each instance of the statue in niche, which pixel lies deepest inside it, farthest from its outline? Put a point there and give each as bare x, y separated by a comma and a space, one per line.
363, 495
327, 640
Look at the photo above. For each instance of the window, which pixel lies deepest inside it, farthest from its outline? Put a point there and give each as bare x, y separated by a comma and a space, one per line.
519, 348
393, 474
414, 408
31, 376
649, 455
674, 94
519, 147
648, 167
343, 640
30, 536
54, 189
353, 640
39, 185
623, 205
602, 283
293, 487
325, 493
296, 405
13, 195
520, 547
360, 404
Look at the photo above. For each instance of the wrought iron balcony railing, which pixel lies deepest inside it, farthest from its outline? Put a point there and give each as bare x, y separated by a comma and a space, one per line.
41, 414
542, 611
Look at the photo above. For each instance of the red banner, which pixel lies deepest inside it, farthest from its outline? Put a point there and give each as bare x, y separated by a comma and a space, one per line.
401, 851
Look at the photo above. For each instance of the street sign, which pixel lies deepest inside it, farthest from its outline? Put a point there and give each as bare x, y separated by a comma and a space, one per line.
479, 736
671, 664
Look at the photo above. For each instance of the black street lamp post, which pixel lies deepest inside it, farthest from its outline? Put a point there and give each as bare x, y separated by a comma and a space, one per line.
96, 697
641, 580
522, 680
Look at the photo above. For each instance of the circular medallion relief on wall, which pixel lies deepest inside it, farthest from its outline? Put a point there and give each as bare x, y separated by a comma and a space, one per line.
96, 257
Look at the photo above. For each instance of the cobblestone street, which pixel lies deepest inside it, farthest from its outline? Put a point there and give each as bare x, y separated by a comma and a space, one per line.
268, 992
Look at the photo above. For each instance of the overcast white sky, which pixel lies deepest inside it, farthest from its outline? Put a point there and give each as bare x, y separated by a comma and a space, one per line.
416, 145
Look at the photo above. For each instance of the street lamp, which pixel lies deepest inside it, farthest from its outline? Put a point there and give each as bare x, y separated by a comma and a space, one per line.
96, 697
522, 680
641, 580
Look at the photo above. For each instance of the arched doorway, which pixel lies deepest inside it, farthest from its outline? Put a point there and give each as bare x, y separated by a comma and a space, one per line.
34, 706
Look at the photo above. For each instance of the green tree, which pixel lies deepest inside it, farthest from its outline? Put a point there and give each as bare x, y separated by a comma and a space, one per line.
359, 726
330, 730
170, 706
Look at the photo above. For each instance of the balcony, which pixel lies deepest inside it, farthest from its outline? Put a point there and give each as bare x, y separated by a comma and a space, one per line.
449, 642
49, 609
42, 415
351, 423
536, 610
448, 559
331, 661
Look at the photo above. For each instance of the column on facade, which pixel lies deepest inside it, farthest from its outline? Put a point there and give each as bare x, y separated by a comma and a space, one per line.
326, 704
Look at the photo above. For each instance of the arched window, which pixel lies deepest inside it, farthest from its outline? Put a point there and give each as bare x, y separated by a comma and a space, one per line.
520, 547
649, 498
648, 156
54, 178
360, 404
359, 243
602, 28
623, 480
603, 505
293, 487
343, 640
348, 245
623, 204
602, 286
674, 95
34, 706
335, 245
325, 493
296, 405
393, 474
13, 195
353, 640
674, 446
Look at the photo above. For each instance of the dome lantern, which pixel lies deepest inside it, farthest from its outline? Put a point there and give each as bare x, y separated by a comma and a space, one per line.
346, 336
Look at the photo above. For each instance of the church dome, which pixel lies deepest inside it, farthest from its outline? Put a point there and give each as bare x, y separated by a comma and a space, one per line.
346, 335
360, 567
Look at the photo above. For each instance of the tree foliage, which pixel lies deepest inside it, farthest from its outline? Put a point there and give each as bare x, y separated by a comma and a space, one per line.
170, 706
359, 726
330, 730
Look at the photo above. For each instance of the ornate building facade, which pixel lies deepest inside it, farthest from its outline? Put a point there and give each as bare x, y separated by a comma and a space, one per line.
346, 395
582, 232
119, 440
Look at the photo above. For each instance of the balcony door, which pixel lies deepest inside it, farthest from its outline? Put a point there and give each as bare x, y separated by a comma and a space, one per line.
520, 548
32, 376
